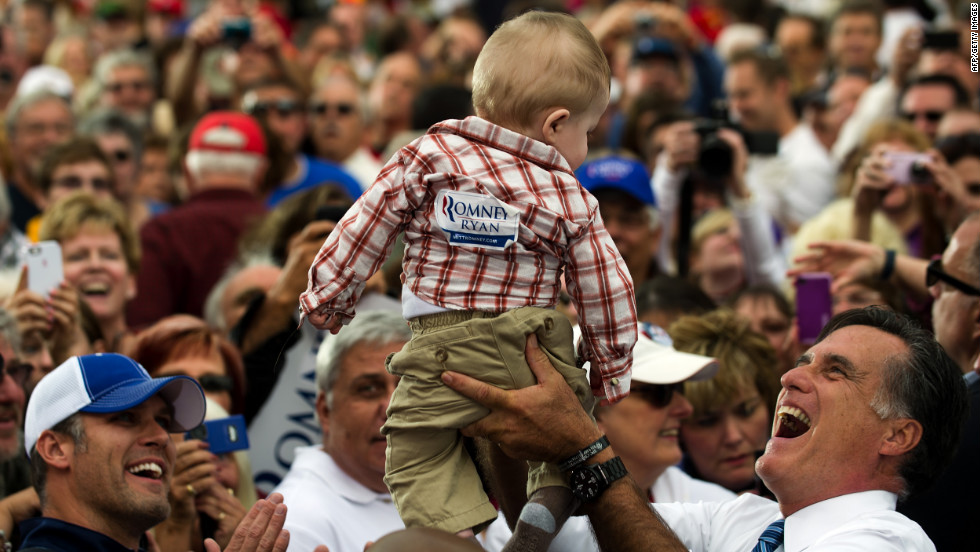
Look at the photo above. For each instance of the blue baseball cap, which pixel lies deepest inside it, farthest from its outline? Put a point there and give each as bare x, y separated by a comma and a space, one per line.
618, 173
104, 383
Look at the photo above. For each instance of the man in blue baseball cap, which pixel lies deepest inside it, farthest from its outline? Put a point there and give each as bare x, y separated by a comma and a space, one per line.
628, 209
97, 431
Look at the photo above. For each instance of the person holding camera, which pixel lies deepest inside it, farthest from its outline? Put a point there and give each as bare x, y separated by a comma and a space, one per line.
758, 259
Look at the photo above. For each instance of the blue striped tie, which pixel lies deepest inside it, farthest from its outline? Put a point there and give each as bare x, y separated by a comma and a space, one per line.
771, 538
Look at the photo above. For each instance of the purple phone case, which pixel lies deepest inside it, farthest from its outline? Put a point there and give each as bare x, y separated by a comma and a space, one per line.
813, 305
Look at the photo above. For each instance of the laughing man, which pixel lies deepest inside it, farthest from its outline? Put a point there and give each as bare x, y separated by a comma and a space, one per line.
871, 413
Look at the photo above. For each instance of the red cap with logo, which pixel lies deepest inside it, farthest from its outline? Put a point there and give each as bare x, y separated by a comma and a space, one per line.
169, 7
228, 131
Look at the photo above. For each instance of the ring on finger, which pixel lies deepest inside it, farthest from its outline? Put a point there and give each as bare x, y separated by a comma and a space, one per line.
191, 490
221, 516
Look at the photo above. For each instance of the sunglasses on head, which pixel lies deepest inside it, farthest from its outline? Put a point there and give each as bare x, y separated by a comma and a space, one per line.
18, 371
657, 395
321, 108
281, 107
930, 115
935, 273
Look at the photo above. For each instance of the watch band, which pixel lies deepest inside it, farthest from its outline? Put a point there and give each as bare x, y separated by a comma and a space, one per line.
589, 482
581, 456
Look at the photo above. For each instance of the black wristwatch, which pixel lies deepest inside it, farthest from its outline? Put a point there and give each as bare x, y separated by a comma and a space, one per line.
588, 482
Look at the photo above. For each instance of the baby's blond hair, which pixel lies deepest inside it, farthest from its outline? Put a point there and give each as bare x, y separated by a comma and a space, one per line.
536, 61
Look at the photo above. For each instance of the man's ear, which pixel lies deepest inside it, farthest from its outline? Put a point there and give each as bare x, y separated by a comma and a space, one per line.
55, 449
904, 435
552, 124
322, 411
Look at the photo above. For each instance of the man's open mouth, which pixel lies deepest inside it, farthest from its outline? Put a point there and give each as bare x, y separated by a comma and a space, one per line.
792, 422
150, 470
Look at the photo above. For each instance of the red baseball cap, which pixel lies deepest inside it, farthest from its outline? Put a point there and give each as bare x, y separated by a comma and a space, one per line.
170, 7
229, 131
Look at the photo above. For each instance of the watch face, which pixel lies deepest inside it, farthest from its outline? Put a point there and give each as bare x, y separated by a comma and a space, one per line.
584, 483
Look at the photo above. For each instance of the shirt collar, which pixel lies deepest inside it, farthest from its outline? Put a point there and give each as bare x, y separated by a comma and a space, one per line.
813, 522
55, 534
480, 130
345, 485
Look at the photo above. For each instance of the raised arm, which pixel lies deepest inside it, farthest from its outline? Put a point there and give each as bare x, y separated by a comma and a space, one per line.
546, 422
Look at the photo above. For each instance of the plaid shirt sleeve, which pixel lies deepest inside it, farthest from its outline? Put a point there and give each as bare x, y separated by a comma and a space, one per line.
600, 284
360, 243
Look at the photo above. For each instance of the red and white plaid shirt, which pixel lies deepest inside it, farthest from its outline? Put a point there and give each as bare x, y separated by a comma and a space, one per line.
556, 222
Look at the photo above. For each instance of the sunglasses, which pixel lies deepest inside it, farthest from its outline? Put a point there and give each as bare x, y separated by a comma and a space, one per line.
931, 116
118, 87
657, 395
321, 108
281, 107
935, 273
18, 371
215, 383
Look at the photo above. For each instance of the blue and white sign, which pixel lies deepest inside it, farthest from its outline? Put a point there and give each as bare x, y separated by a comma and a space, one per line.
476, 220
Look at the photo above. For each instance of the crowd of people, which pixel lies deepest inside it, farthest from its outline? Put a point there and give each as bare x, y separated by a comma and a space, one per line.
191, 157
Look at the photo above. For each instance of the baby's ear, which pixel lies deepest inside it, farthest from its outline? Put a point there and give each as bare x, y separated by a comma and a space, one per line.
552, 124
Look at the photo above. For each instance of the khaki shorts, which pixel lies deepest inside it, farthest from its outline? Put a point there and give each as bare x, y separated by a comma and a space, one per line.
432, 479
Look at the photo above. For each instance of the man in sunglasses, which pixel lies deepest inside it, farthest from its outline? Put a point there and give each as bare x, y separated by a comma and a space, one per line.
926, 99
338, 126
280, 105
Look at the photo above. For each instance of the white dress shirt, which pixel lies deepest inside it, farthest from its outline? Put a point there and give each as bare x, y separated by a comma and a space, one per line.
855, 522
363, 166
326, 506
798, 182
576, 535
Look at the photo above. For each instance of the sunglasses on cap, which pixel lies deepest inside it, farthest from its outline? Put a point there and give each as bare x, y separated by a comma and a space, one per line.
18, 371
321, 108
935, 273
930, 115
657, 395
281, 107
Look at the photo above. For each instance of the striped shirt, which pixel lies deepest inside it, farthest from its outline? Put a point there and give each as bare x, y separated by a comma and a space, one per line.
491, 219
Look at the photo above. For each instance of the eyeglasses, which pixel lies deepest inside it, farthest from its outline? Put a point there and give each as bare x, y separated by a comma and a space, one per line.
137, 86
18, 371
929, 115
935, 273
321, 108
215, 383
74, 183
657, 395
282, 108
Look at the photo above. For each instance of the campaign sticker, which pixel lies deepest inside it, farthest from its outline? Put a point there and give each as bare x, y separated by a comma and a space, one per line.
476, 220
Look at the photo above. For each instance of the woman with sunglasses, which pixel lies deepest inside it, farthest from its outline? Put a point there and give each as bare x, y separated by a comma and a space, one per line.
732, 412
185, 345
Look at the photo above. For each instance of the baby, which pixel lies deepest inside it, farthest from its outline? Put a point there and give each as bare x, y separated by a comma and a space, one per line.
492, 216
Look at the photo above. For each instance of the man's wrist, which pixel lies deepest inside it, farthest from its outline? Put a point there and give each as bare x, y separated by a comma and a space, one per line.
583, 455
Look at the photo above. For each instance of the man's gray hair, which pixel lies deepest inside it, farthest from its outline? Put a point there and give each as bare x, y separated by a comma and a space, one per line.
213, 314
20, 103
375, 327
104, 122
122, 58
9, 332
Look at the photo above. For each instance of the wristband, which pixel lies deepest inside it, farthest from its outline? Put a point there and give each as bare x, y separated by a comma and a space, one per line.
889, 266
581, 456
